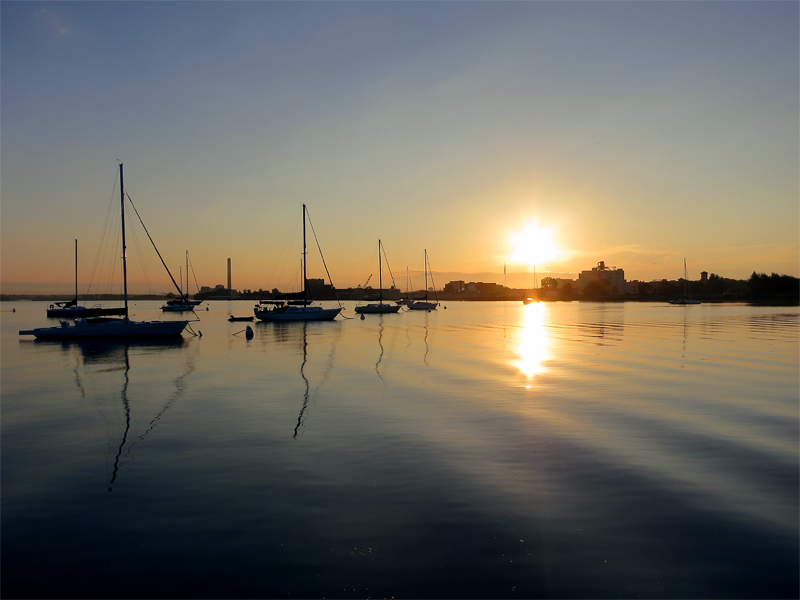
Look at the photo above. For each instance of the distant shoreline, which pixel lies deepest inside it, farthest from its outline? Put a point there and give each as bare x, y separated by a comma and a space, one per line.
710, 299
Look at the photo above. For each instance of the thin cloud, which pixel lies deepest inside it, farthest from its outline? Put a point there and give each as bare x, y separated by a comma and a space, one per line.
624, 249
52, 20
775, 246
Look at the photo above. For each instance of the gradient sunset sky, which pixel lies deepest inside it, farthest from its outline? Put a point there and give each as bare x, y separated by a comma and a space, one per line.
639, 133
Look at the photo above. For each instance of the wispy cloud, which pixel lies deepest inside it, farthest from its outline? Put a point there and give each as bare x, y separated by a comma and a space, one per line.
762, 246
52, 20
623, 249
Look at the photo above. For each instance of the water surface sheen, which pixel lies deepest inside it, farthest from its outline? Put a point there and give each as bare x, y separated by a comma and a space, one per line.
487, 450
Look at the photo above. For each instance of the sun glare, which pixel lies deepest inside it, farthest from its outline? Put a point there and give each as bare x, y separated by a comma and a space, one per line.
534, 246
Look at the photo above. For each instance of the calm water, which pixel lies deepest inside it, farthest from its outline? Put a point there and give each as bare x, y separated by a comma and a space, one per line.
485, 450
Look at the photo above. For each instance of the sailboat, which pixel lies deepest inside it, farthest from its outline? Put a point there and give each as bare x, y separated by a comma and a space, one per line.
422, 303
296, 310
407, 300
71, 309
105, 327
686, 298
183, 304
379, 307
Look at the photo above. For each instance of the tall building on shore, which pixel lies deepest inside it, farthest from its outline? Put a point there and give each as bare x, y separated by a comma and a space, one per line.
615, 278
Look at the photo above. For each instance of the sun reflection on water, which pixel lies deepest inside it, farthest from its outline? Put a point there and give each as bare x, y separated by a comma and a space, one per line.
533, 341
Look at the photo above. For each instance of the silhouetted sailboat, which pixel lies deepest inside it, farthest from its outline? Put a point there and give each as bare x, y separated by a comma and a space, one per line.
686, 296
182, 304
379, 307
296, 310
72, 310
422, 303
105, 327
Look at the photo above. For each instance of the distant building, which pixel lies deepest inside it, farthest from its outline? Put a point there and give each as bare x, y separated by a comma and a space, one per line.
704, 276
632, 287
319, 290
454, 287
615, 278
473, 287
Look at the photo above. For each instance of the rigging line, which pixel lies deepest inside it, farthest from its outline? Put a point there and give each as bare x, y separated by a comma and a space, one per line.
140, 255
196, 285
113, 264
394, 284
323, 258
177, 287
435, 295
283, 254
111, 205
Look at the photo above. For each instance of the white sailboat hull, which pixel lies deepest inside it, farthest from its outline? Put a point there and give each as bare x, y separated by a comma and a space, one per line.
297, 313
111, 328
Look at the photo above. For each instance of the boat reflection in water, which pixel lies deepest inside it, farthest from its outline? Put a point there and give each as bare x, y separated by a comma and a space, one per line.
96, 357
534, 341
303, 335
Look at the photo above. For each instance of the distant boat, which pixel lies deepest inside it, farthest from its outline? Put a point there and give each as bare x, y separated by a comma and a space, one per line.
378, 308
407, 300
296, 310
422, 303
183, 304
105, 327
232, 318
686, 296
73, 310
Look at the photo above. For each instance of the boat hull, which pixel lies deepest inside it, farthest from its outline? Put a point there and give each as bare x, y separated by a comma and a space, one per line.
178, 307
423, 305
79, 312
683, 301
377, 309
108, 329
298, 313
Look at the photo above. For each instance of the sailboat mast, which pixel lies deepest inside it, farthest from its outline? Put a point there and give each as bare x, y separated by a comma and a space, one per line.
305, 256
380, 277
124, 257
425, 268
685, 279
76, 269
187, 274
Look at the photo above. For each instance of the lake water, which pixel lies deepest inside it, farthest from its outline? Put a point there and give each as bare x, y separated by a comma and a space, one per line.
554, 450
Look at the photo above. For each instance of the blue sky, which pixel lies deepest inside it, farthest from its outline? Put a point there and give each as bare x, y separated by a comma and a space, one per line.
638, 132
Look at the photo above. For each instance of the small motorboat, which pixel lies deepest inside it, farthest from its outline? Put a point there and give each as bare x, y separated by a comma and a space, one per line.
232, 318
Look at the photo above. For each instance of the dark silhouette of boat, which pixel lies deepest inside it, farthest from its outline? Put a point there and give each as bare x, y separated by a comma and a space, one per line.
72, 310
105, 327
379, 307
423, 303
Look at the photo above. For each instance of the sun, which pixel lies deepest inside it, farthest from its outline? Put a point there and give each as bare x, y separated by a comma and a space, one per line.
534, 245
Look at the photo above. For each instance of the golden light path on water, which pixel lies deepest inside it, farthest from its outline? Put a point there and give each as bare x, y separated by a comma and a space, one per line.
534, 341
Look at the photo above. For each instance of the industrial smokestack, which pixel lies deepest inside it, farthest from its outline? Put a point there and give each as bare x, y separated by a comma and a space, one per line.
229, 275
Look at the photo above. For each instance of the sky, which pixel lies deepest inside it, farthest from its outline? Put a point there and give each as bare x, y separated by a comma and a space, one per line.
637, 133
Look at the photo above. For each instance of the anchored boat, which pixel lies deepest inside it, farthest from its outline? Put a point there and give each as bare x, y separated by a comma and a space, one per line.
106, 327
